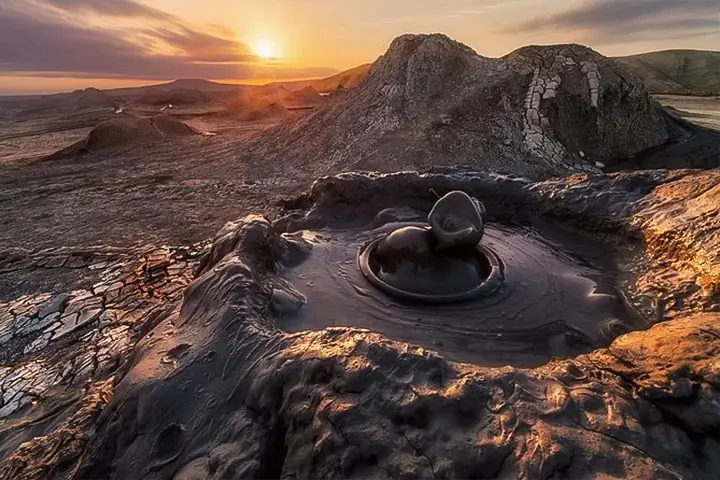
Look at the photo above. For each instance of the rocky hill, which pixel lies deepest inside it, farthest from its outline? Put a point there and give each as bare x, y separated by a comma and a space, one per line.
685, 72
431, 101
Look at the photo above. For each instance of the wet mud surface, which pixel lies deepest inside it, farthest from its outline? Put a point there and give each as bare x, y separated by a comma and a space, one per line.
578, 295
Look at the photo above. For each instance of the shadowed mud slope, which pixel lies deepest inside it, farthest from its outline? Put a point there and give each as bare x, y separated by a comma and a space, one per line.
207, 386
691, 146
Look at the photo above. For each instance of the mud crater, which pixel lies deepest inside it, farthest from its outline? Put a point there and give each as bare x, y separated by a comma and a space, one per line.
560, 296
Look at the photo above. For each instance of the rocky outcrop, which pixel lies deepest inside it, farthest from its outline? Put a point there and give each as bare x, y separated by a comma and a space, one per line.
430, 101
240, 398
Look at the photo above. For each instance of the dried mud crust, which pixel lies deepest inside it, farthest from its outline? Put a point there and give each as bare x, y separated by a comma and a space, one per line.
61, 344
213, 390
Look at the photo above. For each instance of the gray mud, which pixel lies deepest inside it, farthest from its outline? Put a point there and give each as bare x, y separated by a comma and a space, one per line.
571, 280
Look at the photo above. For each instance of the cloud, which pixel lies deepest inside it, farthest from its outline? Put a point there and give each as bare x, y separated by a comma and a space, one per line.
50, 38
200, 46
608, 19
111, 8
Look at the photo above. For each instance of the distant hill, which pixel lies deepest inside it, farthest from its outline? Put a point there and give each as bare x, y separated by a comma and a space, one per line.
685, 72
90, 97
346, 79
175, 97
182, 84
197, 84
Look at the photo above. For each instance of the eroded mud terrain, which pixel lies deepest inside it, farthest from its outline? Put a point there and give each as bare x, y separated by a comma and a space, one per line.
176, 366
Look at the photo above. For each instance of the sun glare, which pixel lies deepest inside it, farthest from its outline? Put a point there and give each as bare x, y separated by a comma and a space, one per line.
264, 48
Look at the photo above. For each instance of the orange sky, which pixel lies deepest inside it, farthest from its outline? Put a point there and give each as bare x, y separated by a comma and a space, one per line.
59, 45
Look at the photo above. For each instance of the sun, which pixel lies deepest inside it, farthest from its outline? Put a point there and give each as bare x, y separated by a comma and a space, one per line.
264, 48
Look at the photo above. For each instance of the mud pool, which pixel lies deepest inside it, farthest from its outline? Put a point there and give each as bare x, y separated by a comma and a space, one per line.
559, 297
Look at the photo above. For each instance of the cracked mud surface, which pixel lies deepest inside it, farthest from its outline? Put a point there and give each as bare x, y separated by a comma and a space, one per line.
240, 398
56, 345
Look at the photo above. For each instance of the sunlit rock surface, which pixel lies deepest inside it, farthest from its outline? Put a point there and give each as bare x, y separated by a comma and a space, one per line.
136, 374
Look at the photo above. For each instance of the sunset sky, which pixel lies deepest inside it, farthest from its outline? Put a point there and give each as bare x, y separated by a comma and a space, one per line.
59, 45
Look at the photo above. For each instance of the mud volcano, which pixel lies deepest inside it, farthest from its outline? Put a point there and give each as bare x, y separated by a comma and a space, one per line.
490, 294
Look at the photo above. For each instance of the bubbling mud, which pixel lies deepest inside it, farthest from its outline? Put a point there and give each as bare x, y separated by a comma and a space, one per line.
408, 264
553, 302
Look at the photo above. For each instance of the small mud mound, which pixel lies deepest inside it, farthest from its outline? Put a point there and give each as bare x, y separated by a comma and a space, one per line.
129, 129
253, 104
273, 110
91, 97
252, 98
343, 80
167, 126
309, 95
268, 101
